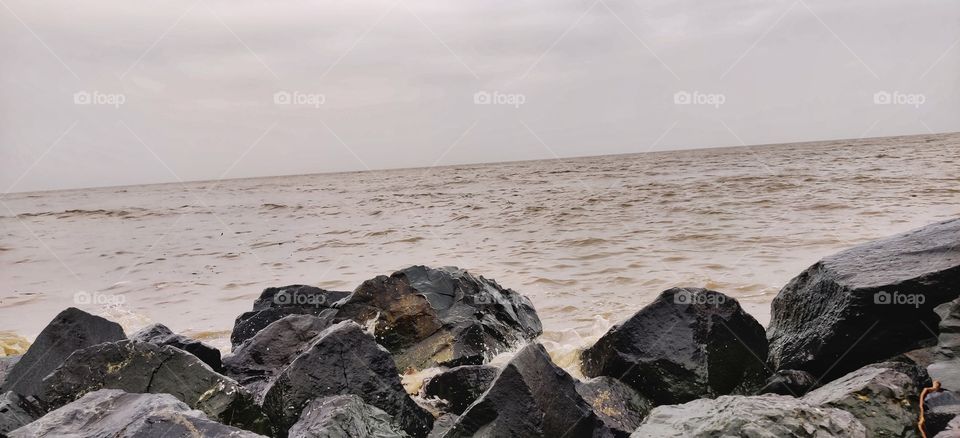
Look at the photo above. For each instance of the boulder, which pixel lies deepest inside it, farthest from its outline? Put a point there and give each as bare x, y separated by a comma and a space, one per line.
945, 366
117, 414
460, 386
70, 330
789, 382
882, 396
940, 408
159, 334
867, 303
428, 317
620, 407
7, 362
141, 367
343, 360
276, 302
531, 397
344, 416
753, 416
16, 411
264, 355
689, 343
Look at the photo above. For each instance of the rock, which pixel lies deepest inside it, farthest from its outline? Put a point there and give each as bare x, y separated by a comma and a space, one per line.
276, 302
947, 373
754, 416
689, 343
117, 414
264, 355
442, 424
344, 416
867, 303
343, 360
460, 386
789, 382
620, 407
7, 362
428, 317
940, 408
531, 397
141, 367
70, 330
948, 343
882, 396
159, 334
952, 430
16, 412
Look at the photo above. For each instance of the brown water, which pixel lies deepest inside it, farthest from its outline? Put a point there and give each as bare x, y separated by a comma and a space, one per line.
589, 240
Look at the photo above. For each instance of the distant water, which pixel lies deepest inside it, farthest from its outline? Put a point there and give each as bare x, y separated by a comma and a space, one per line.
589, 240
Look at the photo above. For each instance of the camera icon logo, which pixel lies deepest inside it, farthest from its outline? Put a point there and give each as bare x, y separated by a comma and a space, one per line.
683, 297
282, 98
82, 298
882, 98
82, 98
282, 298
482, 98
682, 97
882, 297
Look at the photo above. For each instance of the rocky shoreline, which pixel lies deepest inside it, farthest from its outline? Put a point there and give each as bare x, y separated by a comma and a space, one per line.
852, 343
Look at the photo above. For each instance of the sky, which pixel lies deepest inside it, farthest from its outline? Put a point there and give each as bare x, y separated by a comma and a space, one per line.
109, 92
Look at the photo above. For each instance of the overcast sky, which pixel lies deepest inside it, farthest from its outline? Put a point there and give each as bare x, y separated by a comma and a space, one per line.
187, 89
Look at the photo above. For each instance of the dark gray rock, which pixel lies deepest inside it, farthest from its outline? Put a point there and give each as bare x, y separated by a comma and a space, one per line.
141, 367
442, 424
755, 416
883, 397
344, 416
428, 317
16, 411
620, 407
69, 331
159, 334
867, 303
276, 302
531, 397
6, 363
689, 343
940, 408
264, 355
460, 386
952, 430
344, 360
117, 414
945, 366
789, 382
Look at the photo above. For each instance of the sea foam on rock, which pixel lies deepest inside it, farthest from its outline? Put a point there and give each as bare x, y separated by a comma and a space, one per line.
276, 302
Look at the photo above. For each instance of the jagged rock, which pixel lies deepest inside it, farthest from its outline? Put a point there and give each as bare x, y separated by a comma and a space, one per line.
264, 355
867, 303
16, 411
689, 343
276, 302
882, 396
789, 382
948, 343
143, 367
442, 424
6, 363
344, 360
159, 334
70, 330
620, 407
117, 414
952, 430
460, 386
940, 408
531, 397
755, 416
344, 416
428, 317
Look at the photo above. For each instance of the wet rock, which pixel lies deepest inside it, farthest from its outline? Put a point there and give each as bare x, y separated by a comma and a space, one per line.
460, 386
264, 355
531, 397
276, 302
620, 407
70, 330
159, 334
344, 360
867, 303
428, 317
344, 416
117, 414
789, 382
16, 411
940, 408
883, 397
689, 343
141, 367
442, 424
754, 416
